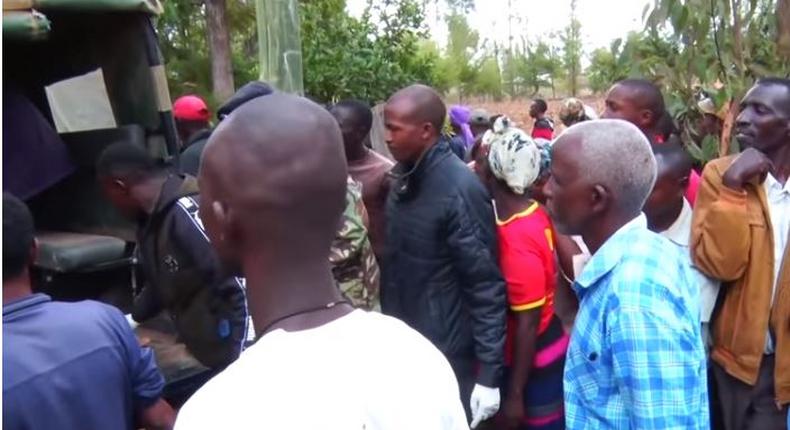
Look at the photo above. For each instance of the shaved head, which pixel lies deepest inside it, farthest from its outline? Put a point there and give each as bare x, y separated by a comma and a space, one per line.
665, 202
274, 176
426, 103
413, 118
637, 101
672, 159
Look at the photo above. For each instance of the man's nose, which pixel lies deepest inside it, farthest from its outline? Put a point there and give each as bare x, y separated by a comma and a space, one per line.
744, 119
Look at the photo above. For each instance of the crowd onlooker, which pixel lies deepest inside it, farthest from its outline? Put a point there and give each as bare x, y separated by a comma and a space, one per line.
543, 126
440, 271
636, 358
740, 236
536, 341
569, 282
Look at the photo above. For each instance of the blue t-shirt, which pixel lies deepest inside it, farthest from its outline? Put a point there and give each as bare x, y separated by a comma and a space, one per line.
73, 366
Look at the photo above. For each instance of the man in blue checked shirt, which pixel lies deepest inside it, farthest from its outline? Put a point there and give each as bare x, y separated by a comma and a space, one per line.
636, 358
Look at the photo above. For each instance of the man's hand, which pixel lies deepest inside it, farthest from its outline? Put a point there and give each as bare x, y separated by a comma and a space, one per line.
513, 411
484, 403
749, 165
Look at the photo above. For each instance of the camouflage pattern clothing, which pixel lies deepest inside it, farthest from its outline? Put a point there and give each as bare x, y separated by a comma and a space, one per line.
353, 262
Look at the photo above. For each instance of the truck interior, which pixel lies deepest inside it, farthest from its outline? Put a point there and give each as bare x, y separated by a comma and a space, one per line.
86, 246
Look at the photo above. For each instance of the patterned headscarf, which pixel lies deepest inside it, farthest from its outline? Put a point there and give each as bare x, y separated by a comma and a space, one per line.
514, 157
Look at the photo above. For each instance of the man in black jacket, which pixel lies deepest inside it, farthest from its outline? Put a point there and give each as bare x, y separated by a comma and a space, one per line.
440, 272
182, 273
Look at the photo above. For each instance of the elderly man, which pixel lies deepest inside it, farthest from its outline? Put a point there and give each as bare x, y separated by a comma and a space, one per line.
740, 232
636, 358
440, 272
319, 363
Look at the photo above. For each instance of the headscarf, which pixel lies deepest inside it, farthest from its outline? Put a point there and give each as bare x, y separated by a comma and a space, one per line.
544, 145
459, 117
574, 110
513, 157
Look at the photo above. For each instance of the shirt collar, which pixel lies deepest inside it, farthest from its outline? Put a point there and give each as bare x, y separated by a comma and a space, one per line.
773, 187
680, 230
610, 253
18, 305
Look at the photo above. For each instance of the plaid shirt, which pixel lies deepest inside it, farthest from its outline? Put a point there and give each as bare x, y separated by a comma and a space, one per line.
636, 359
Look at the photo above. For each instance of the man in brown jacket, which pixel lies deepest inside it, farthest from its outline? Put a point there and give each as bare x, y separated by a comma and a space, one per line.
740, 235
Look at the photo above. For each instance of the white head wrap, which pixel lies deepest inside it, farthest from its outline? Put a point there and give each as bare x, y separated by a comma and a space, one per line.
514, 157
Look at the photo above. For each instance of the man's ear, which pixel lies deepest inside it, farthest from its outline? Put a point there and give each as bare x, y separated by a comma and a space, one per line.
600, 199
428, 130
120, 185
647, 117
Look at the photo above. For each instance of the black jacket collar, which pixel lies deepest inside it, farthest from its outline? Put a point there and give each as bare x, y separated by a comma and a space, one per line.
407, 179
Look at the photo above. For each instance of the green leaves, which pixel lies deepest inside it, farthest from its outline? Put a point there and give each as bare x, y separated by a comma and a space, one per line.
346, 57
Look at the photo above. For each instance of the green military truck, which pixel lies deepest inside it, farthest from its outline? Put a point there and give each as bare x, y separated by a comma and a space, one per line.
79, 75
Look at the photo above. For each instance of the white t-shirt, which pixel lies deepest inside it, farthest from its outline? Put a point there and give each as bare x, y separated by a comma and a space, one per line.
361, 371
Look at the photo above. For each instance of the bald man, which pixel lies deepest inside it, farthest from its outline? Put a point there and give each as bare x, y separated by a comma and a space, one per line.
635, 358
440, 273
318, 363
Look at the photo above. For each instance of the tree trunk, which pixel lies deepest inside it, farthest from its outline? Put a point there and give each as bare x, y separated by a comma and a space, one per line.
219, 46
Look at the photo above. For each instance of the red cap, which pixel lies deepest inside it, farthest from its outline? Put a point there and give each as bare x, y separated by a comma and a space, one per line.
191, 108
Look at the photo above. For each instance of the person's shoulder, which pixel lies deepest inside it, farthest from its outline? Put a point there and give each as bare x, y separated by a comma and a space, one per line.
396, 332
652, 268
86, 310
530, 230
379, 160
718, 166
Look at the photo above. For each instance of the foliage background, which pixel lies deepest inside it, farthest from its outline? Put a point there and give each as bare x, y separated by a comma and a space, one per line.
689, 47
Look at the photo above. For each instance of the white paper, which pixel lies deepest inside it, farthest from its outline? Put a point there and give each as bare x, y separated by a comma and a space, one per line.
81, 103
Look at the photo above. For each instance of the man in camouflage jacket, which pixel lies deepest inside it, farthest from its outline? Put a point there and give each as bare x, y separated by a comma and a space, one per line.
353, 262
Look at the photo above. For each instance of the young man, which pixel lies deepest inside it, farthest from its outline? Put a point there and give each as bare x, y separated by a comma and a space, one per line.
192, 123
669, 214
319, 364
544, 126
190, 157
181, 272
365, 166
440, 272
69, 365
740, 235
640, 102
636, 358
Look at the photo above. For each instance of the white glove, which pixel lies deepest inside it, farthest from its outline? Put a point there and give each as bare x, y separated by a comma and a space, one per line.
484, 403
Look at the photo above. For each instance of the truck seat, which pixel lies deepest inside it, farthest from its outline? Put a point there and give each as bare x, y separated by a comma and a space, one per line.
64, 252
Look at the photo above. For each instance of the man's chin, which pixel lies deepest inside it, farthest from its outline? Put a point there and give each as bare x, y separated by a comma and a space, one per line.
745, 141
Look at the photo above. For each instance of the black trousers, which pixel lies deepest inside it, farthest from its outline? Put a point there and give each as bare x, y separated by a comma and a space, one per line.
746, 407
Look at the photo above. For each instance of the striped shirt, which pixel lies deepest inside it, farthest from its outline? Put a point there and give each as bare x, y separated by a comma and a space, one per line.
636, 358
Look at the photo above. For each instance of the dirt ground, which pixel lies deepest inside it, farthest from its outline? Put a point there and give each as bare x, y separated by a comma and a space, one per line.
518, 110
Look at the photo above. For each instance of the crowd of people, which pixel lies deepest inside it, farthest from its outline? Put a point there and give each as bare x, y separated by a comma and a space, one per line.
473, 274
